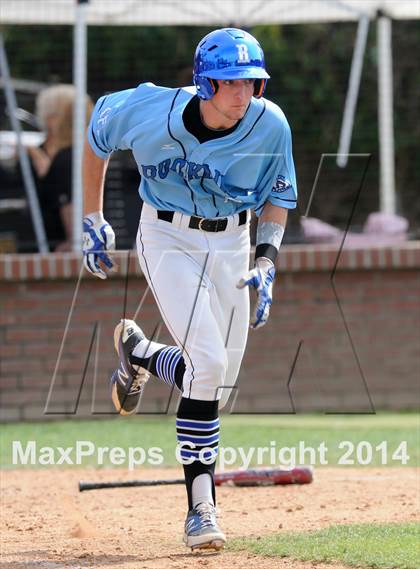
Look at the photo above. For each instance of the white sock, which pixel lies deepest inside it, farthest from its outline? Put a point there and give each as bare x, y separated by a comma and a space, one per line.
146, 348
202, 489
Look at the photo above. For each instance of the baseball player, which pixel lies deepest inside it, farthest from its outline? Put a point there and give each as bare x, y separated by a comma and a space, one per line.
207, 155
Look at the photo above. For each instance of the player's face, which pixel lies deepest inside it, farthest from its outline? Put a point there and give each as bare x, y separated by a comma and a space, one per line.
229, 104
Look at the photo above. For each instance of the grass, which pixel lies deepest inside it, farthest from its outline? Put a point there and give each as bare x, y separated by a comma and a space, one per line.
271, 431
387, 546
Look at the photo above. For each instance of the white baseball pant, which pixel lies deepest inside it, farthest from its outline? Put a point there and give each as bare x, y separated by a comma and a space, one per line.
193, 276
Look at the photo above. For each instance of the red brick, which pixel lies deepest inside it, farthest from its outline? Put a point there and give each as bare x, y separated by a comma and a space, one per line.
25, 334
30, 267
10, 350
15, 269
37, 381
22, 397
8, 382
12, 366
10, 414
45, 267
377, 304
36, 350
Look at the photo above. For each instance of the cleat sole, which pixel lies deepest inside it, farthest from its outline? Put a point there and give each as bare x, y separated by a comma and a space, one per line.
216, 544
118, 332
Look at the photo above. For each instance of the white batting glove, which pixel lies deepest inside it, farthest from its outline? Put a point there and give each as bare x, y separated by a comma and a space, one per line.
98, 238
261, 278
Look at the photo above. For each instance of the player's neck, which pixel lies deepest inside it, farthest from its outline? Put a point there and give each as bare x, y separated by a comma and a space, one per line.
213, 119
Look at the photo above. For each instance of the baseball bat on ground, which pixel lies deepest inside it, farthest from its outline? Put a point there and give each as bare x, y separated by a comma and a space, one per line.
252, 477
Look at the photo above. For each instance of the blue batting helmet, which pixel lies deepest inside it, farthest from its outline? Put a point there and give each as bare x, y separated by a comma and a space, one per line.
228, 53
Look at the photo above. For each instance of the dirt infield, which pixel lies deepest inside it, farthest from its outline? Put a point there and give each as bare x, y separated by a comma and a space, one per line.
46, 523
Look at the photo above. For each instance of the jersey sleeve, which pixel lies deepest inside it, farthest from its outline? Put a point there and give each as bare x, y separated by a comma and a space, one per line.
284, 191
109, 124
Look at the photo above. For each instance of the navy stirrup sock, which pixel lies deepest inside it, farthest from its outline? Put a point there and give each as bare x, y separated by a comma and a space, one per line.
197, 428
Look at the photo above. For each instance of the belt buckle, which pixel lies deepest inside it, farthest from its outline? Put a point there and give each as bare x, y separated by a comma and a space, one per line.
202, 219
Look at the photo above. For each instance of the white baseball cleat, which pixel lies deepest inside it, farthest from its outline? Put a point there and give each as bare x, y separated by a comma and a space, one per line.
201, 529
128, 380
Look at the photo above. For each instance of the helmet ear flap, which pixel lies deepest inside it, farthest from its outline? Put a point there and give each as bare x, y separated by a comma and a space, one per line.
259, 87
206, 87
214, 85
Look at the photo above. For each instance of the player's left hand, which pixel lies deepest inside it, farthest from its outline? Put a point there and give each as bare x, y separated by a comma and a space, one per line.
261, 278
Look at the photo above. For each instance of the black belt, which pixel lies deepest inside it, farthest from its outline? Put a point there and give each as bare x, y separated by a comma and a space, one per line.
203, 223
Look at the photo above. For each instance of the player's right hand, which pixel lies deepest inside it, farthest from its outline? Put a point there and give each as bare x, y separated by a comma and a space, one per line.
98, 239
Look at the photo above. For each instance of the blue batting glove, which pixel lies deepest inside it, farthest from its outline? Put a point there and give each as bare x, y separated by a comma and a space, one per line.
261, 278
98, 238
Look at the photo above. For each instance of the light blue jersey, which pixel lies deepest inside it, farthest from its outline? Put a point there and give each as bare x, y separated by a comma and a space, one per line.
218, 178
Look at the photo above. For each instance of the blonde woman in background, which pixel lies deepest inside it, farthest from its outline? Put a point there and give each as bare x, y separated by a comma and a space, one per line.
52, 162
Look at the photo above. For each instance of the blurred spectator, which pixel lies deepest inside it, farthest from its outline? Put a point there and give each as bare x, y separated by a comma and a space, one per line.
52, 162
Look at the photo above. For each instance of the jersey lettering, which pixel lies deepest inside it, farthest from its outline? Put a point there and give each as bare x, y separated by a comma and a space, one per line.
194, 170
149, 171
185, 168
177, 165
217, 175
164, 168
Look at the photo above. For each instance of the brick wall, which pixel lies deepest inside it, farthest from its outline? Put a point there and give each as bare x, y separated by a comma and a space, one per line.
337, 340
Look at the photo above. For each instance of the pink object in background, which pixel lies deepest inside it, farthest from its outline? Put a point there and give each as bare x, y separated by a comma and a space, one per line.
317, 231
379, 229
